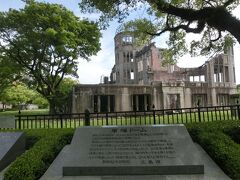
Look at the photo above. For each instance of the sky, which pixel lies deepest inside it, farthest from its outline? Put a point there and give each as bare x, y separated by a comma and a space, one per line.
90, 72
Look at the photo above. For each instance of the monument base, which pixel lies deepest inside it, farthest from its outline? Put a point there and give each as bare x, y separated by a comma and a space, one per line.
211, 171
129, 170
133, 152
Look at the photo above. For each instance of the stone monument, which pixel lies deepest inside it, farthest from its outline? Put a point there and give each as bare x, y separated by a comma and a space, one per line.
133, 152
12, 144
141, 150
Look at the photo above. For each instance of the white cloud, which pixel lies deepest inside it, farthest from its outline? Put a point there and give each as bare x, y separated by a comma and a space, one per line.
101, 64
91, 72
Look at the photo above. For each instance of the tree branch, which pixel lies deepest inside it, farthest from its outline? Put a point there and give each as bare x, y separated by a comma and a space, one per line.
227, 3
209, 3
186, 27
216, 17
219, 36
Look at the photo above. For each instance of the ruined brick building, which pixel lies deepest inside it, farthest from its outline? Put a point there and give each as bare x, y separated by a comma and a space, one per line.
139, 81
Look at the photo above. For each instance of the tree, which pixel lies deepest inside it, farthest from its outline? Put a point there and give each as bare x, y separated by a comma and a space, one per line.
47, 40
63, 97
210, 18
19, 94
9, 72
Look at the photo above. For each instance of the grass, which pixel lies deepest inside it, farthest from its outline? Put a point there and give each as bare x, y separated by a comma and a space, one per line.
33, 122
37, 119
25, 112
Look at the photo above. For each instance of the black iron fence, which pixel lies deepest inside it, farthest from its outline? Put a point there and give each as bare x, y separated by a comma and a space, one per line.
164, 116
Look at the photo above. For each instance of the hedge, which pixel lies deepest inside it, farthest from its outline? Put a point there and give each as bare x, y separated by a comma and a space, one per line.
215, 139
34, 162
219, 139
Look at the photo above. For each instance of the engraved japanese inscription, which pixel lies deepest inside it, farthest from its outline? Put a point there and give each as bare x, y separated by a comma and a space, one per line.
122, 145
129, 150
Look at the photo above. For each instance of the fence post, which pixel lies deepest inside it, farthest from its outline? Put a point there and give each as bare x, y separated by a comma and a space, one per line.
154, 113
154, 118
199, 112
106, 118
19, 119
135, 115
61, 119
238, 110
87, 117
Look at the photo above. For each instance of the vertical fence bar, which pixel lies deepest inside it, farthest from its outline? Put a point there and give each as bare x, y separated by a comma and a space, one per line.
154, 118
27, 121
207, 114
19, 120
212, 114
87, 118
176, 114
144, 114
135, 116
199, 114
224, 118
228, 114
107, 118
61, 120
191, 115
181, 111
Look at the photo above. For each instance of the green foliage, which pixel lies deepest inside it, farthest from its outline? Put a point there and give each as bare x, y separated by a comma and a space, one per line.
19, 93
214, 138
141, 29
47, 40
234, 134
9, 71
223, 150
211, 19
39, 100
63, 96
35, 161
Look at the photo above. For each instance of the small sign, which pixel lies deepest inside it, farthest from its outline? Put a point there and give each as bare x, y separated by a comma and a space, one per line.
7, 122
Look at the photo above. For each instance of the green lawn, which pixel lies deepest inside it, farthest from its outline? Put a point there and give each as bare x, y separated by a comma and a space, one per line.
73, 121
25, 112
36, 119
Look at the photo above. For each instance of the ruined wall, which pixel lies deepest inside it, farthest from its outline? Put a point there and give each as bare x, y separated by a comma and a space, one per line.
139, 80
85, 95
124, 59
128, 97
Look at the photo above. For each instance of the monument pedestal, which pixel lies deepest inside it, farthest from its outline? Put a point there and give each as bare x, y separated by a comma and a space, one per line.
133, 152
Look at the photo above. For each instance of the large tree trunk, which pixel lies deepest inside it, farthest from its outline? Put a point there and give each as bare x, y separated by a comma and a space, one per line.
52, 107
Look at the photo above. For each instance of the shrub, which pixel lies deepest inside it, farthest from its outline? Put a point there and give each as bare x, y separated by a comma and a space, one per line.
222, 149
34, 162
234, 134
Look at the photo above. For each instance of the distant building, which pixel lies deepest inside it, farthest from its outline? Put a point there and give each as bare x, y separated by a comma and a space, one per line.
140, 81
4, 106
